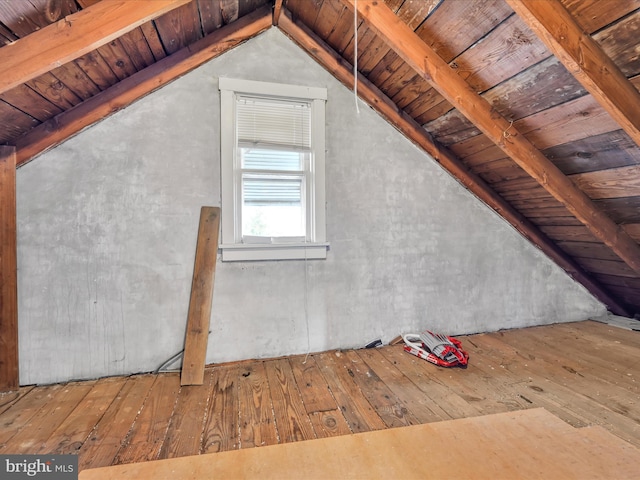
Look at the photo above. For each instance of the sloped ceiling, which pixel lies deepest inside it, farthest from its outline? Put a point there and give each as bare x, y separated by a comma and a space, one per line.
532, 104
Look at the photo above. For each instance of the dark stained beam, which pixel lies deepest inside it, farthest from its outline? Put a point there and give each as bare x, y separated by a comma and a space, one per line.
426, 62
585, 59
370, 94
74, 36
122, 94
9, 379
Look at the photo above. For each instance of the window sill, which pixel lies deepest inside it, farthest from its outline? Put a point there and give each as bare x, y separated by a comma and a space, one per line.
291, 251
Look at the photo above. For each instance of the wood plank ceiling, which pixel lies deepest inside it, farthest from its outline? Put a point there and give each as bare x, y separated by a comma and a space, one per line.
532, 104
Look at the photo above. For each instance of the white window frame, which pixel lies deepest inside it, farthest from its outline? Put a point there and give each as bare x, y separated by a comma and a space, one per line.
232, 246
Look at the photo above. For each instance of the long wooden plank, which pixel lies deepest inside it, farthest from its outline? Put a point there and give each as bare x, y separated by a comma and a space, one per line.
71, 434
257, 424
184, 436
221, 427
527, 444
612, 183
585, 59
292, 420
102, 446
457, 91
204, 272
61, 403
75, 35
9, 376
358, 412
411, 396
148, 433
14, 419
315, 392
379, 102
61, 127
386, 403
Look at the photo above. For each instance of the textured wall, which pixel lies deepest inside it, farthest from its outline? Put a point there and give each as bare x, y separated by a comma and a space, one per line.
108, 223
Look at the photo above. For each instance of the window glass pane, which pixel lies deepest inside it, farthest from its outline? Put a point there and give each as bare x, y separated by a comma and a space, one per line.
272, 206
261, 159
271, 190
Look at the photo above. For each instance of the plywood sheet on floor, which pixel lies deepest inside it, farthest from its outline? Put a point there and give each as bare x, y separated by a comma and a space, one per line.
519, 445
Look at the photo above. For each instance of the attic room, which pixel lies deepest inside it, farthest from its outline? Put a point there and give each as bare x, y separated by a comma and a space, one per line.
469, 168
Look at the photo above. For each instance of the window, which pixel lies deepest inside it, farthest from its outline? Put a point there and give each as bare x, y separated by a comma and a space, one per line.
272, 169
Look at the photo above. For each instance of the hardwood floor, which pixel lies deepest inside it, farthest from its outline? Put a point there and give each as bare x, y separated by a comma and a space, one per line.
585, 373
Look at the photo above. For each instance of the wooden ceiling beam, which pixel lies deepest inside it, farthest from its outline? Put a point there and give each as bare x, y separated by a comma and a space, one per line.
74, 36
59, 128
277, 11
585, 59
425, 61
369, 93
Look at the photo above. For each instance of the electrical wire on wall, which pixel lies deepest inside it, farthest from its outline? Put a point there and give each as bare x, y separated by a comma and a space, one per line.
306, 302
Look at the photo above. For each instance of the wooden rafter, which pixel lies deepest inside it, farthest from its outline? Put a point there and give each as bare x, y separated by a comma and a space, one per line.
370, 94
585, 59
277, 11
426, 62
64, 125
8, 272
74, 36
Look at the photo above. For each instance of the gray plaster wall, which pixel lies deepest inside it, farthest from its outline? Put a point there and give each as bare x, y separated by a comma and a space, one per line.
107, 227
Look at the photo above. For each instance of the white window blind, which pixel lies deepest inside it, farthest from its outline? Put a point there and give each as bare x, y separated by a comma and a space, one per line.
265, 123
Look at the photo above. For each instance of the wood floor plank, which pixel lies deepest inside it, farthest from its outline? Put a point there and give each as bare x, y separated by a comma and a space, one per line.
520, 384
409, 394
256, 413
315, 392
148, 433
72, 433
75, 429
441, 395
221, 427
14, 419
591, 381
292, 420
598, 358
567, 370
543, 381
9, 398
41, 426
381, 398
329, 423
356, 409
107, 437
184, 435
631, 338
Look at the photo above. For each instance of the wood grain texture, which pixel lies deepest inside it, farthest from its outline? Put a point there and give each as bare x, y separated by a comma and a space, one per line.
73, 36
377, 100
431, 66
585, 59
9, 371
147, 434
204, 272
578, 371
131, 88
106, 439
524, 444
257, 424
